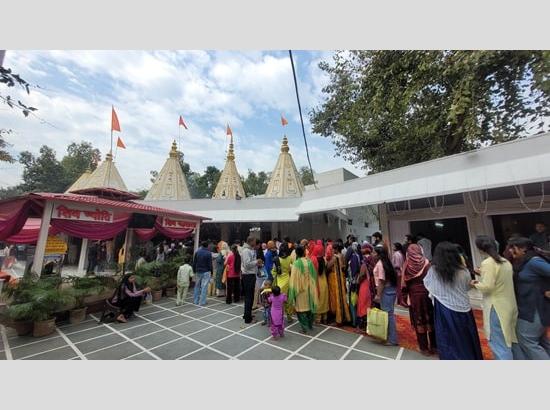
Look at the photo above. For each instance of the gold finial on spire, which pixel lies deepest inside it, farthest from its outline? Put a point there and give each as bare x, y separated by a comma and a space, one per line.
284, 145
174, 150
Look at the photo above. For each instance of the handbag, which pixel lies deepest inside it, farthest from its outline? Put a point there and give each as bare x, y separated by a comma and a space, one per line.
377, 323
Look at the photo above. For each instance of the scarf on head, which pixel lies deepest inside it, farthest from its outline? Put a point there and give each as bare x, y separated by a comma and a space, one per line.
415, 262
329, 253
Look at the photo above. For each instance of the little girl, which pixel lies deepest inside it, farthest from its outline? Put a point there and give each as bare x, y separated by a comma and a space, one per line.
277, 300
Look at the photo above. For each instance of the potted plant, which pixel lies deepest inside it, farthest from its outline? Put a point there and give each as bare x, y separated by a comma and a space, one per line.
20, 318
83, 287
168, 278
156, 287
43, 297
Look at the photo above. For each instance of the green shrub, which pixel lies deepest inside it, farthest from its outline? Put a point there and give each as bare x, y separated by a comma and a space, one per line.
38, 299
83, 287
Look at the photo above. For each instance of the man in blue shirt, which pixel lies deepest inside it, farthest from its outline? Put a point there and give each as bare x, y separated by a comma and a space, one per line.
202, 266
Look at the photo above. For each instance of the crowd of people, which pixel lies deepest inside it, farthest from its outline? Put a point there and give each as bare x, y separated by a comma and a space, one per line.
339, 282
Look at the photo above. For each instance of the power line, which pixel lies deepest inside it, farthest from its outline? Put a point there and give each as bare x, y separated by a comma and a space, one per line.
301, 117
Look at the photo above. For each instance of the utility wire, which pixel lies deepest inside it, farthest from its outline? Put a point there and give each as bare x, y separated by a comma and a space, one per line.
301, 117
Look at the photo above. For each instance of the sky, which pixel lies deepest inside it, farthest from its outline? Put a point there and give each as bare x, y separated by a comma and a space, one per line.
74, 92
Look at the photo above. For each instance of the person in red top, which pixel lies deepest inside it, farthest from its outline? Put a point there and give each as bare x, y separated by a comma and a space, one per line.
233, 278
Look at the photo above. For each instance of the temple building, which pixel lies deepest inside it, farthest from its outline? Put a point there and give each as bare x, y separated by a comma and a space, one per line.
274, 214
171, 182
230, 185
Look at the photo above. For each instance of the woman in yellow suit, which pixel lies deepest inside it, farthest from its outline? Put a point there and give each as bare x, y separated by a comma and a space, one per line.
282, 266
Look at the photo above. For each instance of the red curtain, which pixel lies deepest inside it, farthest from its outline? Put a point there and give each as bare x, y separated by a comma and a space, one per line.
145, 234
172, 233
13, 215
29, 234
91, 230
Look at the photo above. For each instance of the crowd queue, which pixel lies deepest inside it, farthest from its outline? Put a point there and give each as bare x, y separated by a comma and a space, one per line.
337, 282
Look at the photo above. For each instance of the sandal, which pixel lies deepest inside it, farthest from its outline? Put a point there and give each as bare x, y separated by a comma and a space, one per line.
121, 319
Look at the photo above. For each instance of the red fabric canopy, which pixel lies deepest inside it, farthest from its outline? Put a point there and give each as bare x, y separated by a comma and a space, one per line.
91, 230
13, 215
29, 234
172, 233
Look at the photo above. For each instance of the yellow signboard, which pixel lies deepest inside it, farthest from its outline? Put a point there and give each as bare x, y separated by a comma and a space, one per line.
55, 245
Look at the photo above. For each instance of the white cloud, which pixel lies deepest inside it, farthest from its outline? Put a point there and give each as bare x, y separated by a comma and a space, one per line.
150, 89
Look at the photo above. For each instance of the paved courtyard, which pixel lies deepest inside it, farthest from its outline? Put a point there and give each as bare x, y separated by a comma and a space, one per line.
163, 331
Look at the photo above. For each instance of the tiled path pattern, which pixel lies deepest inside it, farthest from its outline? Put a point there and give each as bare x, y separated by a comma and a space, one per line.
163, 331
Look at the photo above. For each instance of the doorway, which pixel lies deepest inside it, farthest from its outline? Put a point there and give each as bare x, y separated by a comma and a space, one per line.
453, 230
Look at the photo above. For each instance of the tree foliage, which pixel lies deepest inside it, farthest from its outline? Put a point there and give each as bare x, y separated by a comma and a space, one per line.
43, 173
306, 175
5, 156
255, 184
79, 158
387, 109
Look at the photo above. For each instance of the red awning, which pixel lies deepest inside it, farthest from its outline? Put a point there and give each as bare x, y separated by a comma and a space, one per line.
129, 206
15, 211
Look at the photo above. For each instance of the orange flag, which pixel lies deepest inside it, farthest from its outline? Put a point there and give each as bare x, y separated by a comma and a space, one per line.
120, 144
283, 120
115, 125
229, 132
182, 123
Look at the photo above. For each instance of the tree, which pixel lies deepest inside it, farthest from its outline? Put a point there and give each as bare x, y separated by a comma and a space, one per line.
79, 158
43, 173
206, 183
306, 175
4, 154
255, 184
387, 109
10, 79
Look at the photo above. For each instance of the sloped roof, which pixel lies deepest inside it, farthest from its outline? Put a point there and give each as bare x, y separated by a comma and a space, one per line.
285, 180
81, 182
106, 175
171, 183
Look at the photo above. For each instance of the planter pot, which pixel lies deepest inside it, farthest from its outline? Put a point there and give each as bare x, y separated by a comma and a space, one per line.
170, 292
77, 315
157, 295
22, 327
44, 328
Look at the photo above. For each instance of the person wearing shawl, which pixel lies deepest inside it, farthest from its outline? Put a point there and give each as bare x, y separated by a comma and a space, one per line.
302, 292
322, 285
282, 265
365, 295
421, 310
127, 297
336, 279
223, 252
397, 260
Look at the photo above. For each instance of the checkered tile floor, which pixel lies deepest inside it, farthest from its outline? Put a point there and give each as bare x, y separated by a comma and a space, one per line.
163, 331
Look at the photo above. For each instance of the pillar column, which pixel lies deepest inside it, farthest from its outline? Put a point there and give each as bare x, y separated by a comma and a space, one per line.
38, 260
83, 256
126, 245
384, 223
225, 232
197, 234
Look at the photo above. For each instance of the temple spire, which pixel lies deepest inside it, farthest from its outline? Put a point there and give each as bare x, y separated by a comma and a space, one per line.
285, 179
171, 183
230, 185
